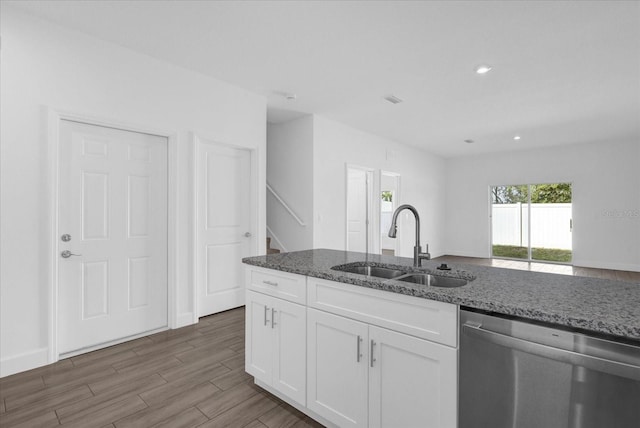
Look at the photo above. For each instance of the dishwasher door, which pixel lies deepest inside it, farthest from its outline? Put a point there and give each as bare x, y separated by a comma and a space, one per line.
514, 374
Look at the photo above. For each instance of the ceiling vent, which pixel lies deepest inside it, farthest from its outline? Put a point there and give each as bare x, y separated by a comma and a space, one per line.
393, 99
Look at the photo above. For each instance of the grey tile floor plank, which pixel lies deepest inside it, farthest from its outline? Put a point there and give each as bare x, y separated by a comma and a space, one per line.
192, 417
225, 400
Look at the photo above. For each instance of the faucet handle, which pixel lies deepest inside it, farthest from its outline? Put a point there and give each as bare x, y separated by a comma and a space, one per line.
424, 255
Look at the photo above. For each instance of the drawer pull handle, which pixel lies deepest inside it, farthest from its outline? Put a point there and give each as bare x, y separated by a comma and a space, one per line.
265, 315
373, 360
273, 317
358, 352
275, 284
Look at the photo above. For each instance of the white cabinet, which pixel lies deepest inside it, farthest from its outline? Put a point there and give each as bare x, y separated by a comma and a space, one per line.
287, 286
366, 376
424, 318
352, 356
337, 368
276, 344
412, 382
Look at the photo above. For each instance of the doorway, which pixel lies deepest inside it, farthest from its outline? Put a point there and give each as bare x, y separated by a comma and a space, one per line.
389, 201
111, 250
360, 209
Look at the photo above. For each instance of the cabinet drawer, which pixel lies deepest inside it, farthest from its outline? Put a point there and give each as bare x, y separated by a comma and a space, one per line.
284, 285
428, 319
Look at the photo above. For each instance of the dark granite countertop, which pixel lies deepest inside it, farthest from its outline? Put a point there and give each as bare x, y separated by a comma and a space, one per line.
592, 304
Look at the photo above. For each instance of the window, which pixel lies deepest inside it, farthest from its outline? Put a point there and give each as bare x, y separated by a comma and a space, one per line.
532, 222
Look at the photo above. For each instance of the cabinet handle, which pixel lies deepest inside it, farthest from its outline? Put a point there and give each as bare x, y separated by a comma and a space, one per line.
373, 360
273, 317
275, 284
358, 353
265, 314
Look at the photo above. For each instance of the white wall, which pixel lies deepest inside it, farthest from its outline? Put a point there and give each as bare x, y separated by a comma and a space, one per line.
45, 66
290, 173
421, 184
606, 198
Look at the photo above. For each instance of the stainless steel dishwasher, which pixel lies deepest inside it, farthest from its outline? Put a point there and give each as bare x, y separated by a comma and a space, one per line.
515, 374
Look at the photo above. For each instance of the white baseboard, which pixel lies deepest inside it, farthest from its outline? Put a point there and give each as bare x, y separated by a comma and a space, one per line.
607, 265
436, 255
184, 319
467, 254
23, 362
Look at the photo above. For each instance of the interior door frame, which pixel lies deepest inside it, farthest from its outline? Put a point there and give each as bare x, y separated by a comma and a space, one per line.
197, 140
396, 204
373, 206
54, 117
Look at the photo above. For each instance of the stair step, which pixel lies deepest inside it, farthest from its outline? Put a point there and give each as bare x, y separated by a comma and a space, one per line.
269, 249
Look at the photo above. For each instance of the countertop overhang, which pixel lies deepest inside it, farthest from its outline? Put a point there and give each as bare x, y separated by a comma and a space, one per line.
590, 304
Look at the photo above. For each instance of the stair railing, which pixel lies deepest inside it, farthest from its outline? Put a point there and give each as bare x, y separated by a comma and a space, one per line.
284, 204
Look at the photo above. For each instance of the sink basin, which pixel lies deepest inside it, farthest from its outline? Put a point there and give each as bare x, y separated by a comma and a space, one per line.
377, 271
433, 280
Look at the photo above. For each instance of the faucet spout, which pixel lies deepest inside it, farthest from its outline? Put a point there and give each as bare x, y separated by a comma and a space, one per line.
418, 255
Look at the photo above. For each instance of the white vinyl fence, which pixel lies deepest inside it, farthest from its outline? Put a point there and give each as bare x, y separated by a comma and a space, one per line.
550, 225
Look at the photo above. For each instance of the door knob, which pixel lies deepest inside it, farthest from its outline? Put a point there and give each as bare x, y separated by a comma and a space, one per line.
247, 234
66, 254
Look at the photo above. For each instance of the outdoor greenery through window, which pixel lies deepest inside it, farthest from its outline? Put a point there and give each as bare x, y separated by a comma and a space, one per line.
532, 222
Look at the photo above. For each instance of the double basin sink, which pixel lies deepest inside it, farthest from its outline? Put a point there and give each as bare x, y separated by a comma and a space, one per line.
400, 275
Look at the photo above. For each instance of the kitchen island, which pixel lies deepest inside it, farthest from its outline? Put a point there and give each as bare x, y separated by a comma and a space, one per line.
352, 350
591, 304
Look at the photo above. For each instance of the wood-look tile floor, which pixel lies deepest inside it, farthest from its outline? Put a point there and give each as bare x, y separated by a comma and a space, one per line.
189, 377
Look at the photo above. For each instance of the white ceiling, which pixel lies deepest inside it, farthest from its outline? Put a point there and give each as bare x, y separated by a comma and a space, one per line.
563, 71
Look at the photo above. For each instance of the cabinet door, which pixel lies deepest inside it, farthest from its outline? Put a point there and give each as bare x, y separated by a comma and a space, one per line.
412, 382
258, 336
337, 368
290, 365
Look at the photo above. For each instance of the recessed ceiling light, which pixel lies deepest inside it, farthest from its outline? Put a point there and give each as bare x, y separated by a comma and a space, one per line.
393, 99
483, 69
517, 137
468, 141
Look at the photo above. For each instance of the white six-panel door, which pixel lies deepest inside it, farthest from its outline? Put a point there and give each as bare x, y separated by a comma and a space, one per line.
223, 232
113, 207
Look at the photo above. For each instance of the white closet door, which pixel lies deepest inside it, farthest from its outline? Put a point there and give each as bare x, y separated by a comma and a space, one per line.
113, 207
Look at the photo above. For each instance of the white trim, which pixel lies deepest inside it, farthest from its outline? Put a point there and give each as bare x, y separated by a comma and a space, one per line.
286, 206
254, 155
606, 265
23, 362
54, 117
53, 137
112, 343
185, 319
372, 206
396, 204
464, 254
173, 254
